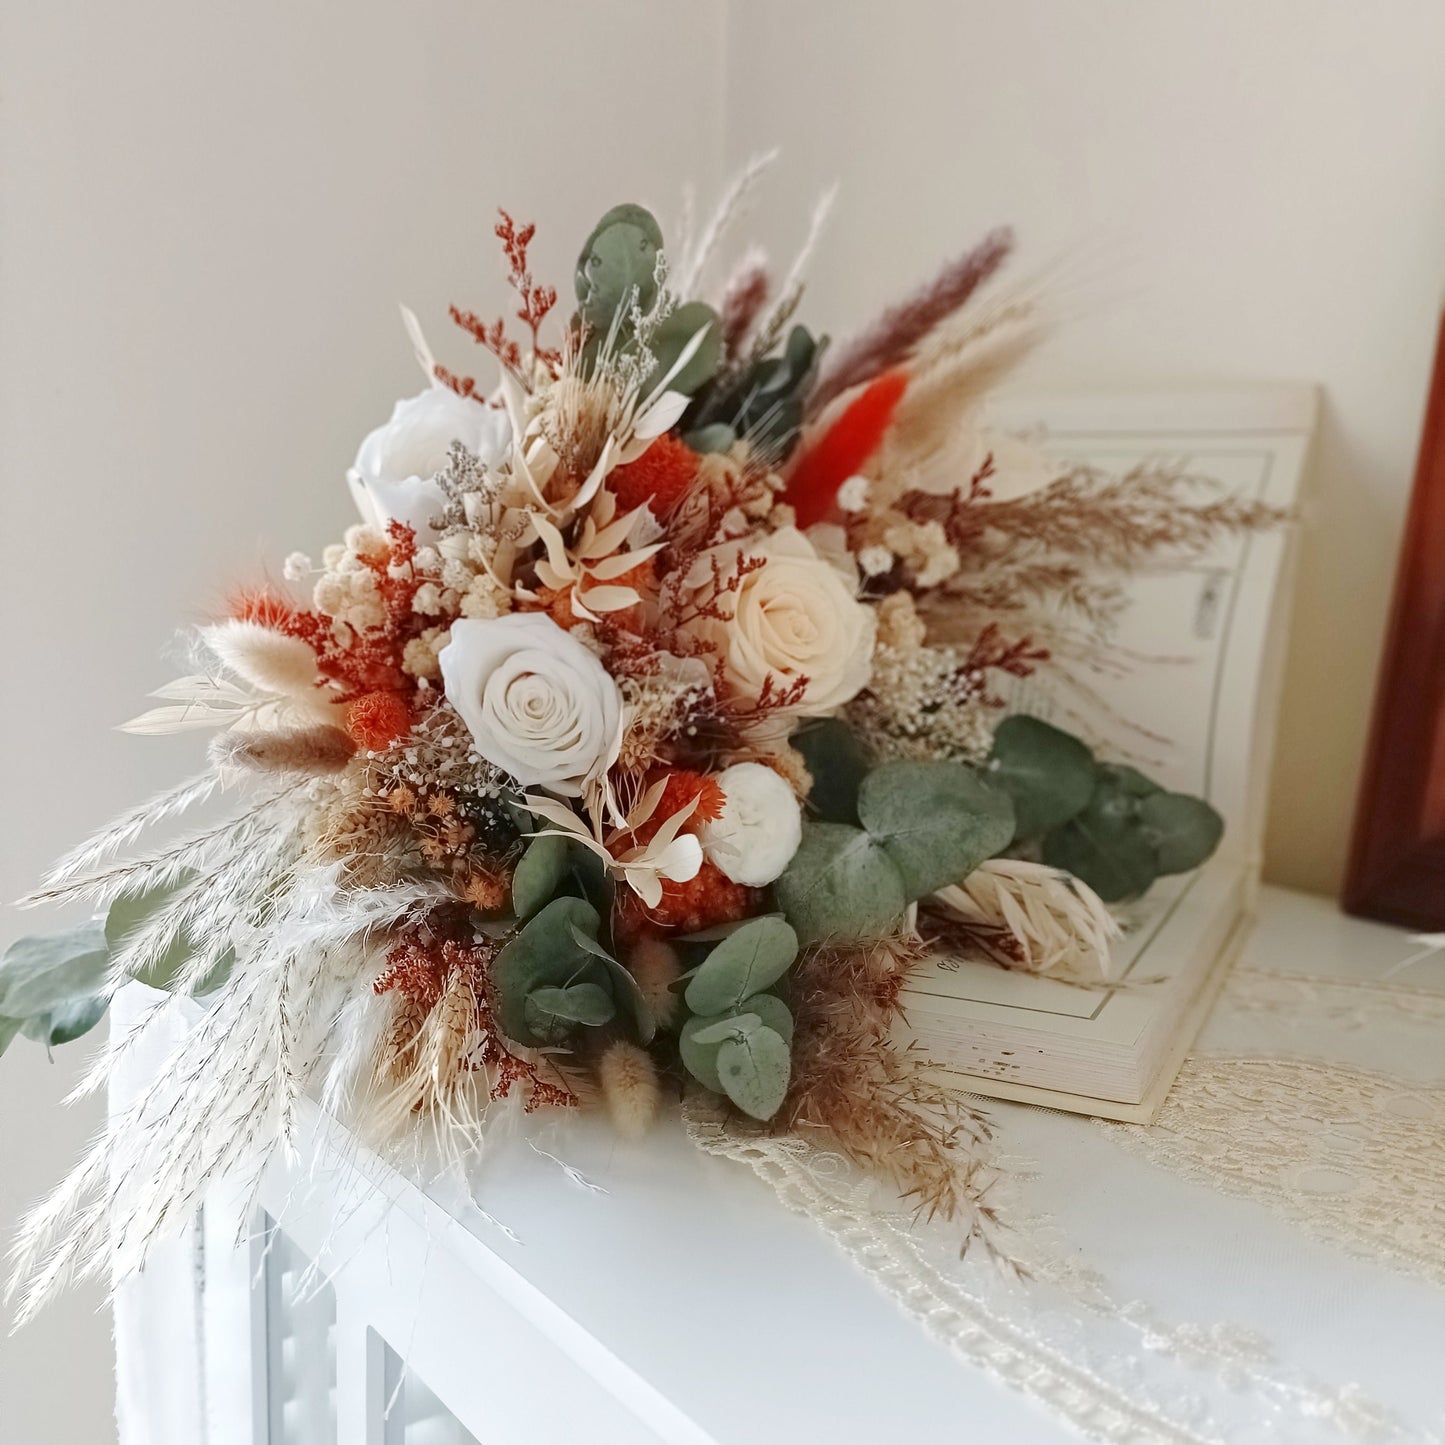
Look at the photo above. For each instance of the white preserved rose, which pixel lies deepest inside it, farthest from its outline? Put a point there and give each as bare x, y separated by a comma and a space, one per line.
760, 826
394, 475
538, 704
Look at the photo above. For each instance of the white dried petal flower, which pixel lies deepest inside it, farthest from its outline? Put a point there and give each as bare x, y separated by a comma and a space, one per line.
296, 566
759, 829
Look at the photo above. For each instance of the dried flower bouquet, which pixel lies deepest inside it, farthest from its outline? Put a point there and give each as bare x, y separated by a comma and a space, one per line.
645, 733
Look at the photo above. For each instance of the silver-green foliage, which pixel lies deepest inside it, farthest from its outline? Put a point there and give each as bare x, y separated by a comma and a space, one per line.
923, 825
738, 1039
554, 977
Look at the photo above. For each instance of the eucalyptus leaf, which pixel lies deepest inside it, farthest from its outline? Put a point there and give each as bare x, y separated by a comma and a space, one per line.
1184, 830
734, 1026
719, 931
1127, 780
8, 1029
670, 339
39, 973
618, 260
718, 437
699, 1057
838, 764
840, 884
544, 953
1047, 772
623, 983
553, 1010
67, 1021
754, 1071
538, 874
936, 821
749, 960
1105, 846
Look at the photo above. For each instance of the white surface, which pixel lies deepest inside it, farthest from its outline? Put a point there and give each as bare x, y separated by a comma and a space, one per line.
679, 1301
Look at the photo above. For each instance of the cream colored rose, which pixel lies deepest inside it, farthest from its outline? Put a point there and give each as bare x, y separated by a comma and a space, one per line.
795, 617
538, 704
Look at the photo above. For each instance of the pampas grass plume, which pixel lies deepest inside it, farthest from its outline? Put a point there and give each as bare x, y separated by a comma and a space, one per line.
628, 1080
654, 964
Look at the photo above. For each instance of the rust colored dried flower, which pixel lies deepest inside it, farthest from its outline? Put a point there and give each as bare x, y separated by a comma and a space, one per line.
707, 899
660, 477
378, 719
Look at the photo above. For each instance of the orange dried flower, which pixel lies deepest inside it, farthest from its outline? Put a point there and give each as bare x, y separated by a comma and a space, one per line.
709, 898
378, 719
486, 891
682, 787
660, 476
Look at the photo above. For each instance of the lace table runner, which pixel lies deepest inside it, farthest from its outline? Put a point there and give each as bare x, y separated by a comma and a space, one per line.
1316, 1104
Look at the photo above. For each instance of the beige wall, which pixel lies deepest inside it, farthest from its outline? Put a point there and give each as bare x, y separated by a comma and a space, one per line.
1239, 188
210, 211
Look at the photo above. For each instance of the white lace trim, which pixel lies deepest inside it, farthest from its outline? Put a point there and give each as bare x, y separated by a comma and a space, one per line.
1342, 1152
1084, 1363
1351, 1003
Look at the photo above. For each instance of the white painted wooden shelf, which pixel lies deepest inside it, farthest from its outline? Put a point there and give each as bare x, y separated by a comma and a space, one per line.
677, 1301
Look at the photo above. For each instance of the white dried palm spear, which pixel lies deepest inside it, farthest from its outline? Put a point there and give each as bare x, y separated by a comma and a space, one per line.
1059, 924
223, 1100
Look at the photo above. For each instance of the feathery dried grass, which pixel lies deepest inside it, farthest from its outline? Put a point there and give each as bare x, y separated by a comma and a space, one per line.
222, 1100
872, 1095
892, 338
